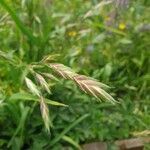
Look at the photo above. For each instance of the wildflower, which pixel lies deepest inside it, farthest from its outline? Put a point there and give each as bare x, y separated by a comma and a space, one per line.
72, 33
122, 26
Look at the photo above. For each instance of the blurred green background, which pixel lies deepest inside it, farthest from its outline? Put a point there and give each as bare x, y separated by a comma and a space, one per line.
107, 40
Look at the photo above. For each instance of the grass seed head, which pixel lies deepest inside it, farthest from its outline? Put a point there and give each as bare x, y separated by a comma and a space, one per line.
86, 84
43, 82
45, 114
93, 87
32, 87
63, 71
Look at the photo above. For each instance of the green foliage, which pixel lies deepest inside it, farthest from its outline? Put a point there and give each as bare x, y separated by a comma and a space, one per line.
106, 41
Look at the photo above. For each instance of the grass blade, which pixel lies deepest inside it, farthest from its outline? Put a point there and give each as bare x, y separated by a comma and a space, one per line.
71, 141
55, 140
28, 97
21, 124
18, 22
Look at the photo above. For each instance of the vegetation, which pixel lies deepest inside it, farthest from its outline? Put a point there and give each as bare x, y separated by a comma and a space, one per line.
53, 52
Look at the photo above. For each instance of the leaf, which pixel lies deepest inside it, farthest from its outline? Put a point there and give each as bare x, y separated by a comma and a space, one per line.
29, 97
107, 70
55, 103
125, 41
23, 96
71, 141
57, 138
21, 125
2, 142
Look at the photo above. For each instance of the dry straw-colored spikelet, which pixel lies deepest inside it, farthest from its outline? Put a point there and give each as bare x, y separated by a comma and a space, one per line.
93, 87
43, 106
42, 82
63, 71
45, 113
86, 84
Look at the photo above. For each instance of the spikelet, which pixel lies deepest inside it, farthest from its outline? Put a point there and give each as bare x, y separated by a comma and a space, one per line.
63, 71
45, 114
86, 84
50, 76
91, 81
32, 87
43, 82
50, 58
93, 87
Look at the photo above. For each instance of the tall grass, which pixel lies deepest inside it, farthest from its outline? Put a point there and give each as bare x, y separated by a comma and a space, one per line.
46, 47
